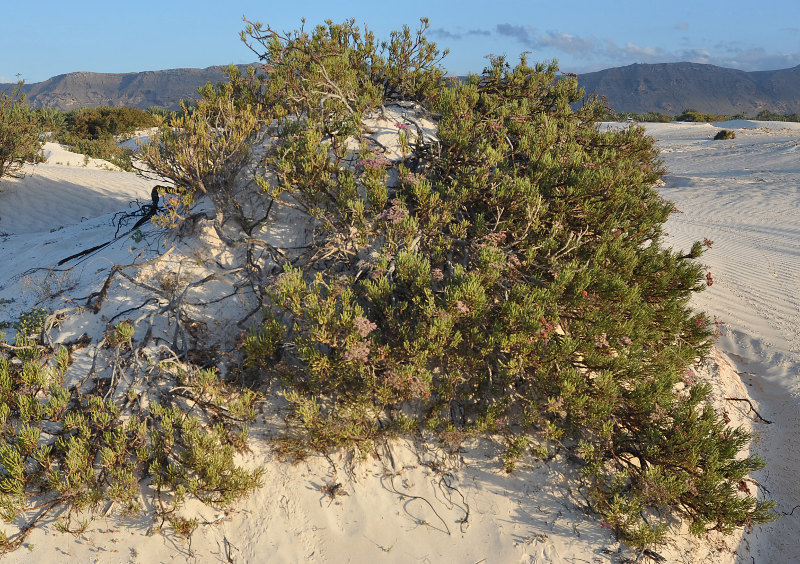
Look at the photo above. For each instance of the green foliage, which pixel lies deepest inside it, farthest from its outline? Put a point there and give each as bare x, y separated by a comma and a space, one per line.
725, 134
511, 281
104, 147
20, 134
61, 448
51, 119
262, 344
649, 117
695, 116
94, 131
766, 115
121, 334
104, 121
202, 149
31, 321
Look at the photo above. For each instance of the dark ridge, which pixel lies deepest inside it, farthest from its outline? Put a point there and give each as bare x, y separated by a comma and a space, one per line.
164, 88
671, 88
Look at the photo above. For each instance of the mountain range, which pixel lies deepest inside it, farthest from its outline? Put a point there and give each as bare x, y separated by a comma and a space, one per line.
671, 88
163, 88
668, 88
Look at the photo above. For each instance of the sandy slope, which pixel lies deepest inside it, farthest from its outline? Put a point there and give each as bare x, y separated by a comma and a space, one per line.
744, 194
397, 509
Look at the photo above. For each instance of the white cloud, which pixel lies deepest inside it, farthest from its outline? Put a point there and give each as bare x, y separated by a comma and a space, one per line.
595, 53
572, 44
441, 33
522, 34
606, 52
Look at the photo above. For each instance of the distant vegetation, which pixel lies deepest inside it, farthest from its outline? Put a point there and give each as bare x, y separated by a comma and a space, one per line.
695, 116
94, 132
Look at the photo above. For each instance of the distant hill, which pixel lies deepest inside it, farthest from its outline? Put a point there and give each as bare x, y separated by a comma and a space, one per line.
164, 88
671, 88
668, 88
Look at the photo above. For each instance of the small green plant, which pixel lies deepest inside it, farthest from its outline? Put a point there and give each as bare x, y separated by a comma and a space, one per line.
122, 334
31, 321
261, 346
103, 147
183, 527
725, 134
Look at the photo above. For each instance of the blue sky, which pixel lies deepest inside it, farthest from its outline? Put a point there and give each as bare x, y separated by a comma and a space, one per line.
44, 38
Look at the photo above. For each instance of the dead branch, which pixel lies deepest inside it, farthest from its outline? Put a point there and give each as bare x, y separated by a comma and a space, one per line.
101, 295
752, 407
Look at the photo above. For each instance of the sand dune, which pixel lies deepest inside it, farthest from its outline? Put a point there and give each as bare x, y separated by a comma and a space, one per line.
744, 194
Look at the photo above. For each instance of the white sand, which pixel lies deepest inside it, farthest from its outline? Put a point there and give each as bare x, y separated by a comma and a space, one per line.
743, 194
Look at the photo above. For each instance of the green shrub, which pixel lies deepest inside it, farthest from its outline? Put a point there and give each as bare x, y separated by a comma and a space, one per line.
649, 117
204, 147
32, 321
104, 147
725, 134
20, 134
767, 115
69, 450
94, 131
511, 281
95, 123
51, 119
695, 116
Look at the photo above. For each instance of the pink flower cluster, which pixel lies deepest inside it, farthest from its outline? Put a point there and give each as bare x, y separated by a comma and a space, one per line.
364, 326
400, 125
358, 352
601, 341
394, 214
495, 238
412, 178
374, 164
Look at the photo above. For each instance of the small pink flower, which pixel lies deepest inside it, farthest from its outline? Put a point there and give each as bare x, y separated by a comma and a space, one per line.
394, 214
437, 274
374, 164
625, 341
358, 352
412, 178
461, 307
364, 326
402, 126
